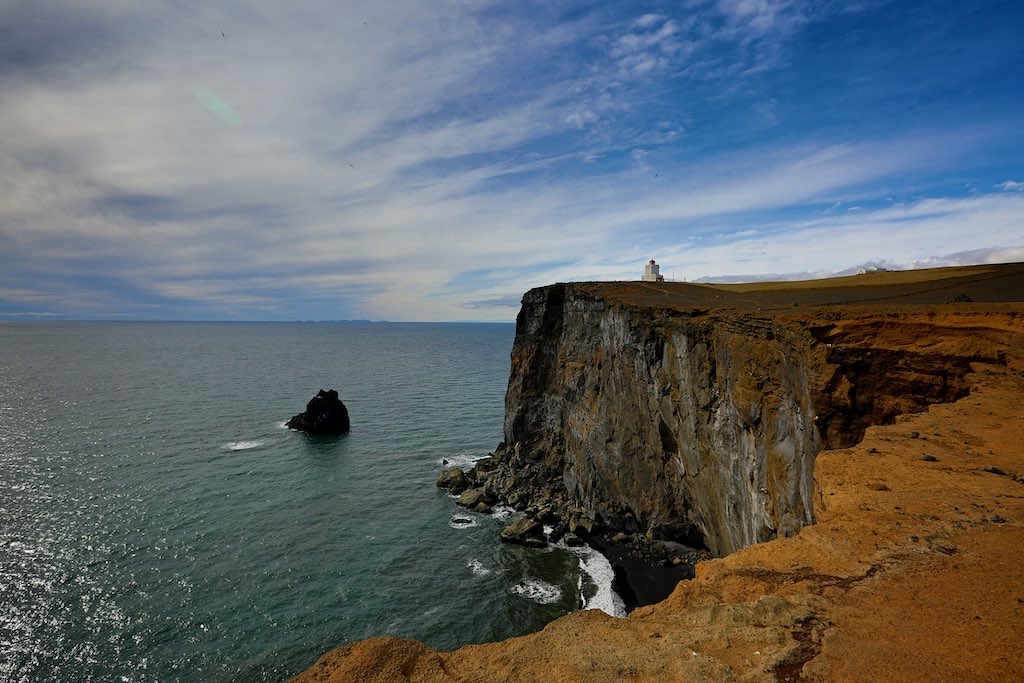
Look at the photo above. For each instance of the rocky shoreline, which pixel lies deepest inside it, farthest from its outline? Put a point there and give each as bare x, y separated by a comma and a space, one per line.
646, 568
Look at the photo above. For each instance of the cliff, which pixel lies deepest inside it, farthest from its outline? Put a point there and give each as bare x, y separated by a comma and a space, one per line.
696, 414
653, 414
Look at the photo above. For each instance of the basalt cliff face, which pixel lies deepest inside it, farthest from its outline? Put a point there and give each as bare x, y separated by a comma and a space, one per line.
725, 416
694, 429
700, 425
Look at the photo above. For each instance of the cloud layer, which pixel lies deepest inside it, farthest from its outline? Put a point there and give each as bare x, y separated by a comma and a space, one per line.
431, 161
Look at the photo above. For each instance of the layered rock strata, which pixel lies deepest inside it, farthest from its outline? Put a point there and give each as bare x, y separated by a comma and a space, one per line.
699, 426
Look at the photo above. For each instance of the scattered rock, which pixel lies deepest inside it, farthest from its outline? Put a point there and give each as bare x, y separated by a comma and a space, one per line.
959, 299
913, 435
487, 464
454, 480
325, 414
472, 498
927, 457
872, 450
878, 486
581, 525
997, 519
525, 531
572, 540
995, 470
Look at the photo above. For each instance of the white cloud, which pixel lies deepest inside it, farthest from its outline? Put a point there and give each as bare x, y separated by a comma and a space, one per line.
399, 160
649, 47
647, 21
762, 16
907, 236
1011, 186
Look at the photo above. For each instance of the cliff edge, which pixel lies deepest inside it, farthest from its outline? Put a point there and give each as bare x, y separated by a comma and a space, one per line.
666, 414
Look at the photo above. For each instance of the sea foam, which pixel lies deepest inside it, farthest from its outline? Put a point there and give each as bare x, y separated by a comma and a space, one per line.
597, 567
463, 460
502, 511
541, 592
461, 522
478, 568
243, 445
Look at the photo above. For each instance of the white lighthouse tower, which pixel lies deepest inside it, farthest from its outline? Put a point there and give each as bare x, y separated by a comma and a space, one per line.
651, 273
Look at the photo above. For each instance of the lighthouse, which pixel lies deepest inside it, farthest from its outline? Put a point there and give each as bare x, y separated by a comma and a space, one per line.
651, 273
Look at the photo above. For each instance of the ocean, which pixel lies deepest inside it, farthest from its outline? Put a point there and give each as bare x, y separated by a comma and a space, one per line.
159, 523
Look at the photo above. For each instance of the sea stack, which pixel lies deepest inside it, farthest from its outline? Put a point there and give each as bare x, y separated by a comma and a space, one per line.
325, 414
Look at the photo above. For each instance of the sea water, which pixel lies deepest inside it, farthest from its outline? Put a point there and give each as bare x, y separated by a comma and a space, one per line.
159, 523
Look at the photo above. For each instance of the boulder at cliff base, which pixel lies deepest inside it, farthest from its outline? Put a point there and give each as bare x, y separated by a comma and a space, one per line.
325, 414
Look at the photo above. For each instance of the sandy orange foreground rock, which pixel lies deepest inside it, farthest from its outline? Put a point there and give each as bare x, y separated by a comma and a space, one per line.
913, 570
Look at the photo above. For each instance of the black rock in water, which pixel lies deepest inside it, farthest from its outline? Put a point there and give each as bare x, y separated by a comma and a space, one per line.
325, 414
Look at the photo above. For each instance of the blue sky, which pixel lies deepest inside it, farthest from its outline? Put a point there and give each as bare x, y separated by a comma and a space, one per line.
432, 160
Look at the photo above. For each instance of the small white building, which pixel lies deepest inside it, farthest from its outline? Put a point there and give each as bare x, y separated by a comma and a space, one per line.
651, 273
872, 269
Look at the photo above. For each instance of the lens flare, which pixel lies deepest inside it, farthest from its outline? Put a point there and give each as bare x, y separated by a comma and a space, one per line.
218, 107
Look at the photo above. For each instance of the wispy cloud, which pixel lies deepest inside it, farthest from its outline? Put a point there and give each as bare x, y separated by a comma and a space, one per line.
414, 160
653, 43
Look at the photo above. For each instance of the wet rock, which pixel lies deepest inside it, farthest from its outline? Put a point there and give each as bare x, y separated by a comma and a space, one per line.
525, 531
546, 514
581, 525
324, 414
453, 480
487, 464
472, 498
572, 540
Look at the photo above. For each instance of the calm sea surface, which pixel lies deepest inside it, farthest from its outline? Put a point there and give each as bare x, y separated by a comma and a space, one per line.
158, 522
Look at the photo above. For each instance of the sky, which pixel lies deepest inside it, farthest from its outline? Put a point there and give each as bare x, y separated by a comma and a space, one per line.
431, 160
